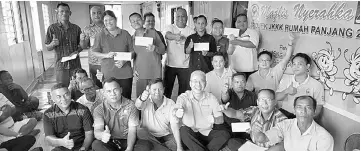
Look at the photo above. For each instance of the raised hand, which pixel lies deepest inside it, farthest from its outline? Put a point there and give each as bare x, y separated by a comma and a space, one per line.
99, 75
145, 94
106, 135
191, 44
179, 111
223, 107
291, 90
67, 143
55, 41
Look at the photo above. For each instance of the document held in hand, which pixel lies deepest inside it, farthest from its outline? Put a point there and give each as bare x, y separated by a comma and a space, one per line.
229, 31
201, 46
143, 41
249, 146
67, 58
123, 56
241, 127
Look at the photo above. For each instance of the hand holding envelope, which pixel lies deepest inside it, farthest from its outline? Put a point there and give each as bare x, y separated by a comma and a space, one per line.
201, 46
241, 127
143, 41
231, 31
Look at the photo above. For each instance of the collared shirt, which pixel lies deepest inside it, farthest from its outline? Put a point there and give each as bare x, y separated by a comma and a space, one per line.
118, 120
309, 87
147, 63
197, 60
270, 81
157, 121
77, 122
255, 115
69, 40
176, 57
248, 99
90, 31
14, 96
199, 114
222, 45
245, 59
216, 83
315, 138
99, 98
105, 43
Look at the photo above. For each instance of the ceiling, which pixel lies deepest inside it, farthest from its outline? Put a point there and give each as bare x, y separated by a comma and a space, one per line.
109, 2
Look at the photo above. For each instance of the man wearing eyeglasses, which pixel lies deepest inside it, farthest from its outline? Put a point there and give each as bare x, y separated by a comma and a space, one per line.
92, 96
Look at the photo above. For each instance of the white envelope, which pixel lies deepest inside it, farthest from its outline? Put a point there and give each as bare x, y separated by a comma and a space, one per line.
123, 56
249, 146
229, 31
143, 41
240, 127
67, 58
201, 46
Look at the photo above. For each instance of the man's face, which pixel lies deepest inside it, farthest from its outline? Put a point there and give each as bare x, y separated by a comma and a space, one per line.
217, 29
181, 18
6, 78
96, 14
110, 22
113, 92
136, 22
79, 76
304, 109
218, 62
63, 13
242, 23
156, 91
197, 83
299, 66
149, 22
239, 83
201, 24
89, 90
266, 102
264, 61
61, 97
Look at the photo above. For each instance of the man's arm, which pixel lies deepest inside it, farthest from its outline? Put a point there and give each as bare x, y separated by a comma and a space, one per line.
89, 137
98, 122
88, 128
243, 43
132, 135
139, 104
218, 115
170, 36
188, 50
175, 125
160, 46
225, 97
49, 43
53, 140
7, 111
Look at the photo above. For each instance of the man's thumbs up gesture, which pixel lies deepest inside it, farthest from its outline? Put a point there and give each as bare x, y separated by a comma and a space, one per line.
68, 143
55, 41
106, 135
179, 111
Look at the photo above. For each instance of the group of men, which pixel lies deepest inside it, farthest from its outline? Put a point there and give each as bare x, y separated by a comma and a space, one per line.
217, 87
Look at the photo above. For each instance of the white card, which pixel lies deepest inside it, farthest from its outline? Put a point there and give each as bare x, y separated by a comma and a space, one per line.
201, 46
143, 41
240, 127
67, 58
123, 56
229, 31
250, 146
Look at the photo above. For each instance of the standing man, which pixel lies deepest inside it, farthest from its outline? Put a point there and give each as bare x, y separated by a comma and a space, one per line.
149, 23
64, 38
87, 38
244, 47
177, 61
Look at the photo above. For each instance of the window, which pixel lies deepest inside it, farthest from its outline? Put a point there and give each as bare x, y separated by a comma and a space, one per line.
36, 25
117, 9
12, 21
46, 15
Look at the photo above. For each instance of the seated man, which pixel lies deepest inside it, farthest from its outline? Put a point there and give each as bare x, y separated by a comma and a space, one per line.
92, 97
17, 96
299, 134
198, 111
74, 87
265, 113
67, 124
116, 121
13, 144
219, 77
157, 117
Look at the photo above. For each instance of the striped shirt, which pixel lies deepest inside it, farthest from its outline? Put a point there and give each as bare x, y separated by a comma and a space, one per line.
255, 114
90, 31
69, 40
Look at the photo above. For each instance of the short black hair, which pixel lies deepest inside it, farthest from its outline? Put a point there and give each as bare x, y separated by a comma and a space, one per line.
242, 14
225, 57
269, 91
216, 20
62, 4
239, 74
304, 56
149, 14
264, 53
110, 13
80, 70
202, 16
154, 81
110, 80
135, 13
59, 86
2, 72
314, 102
195, 17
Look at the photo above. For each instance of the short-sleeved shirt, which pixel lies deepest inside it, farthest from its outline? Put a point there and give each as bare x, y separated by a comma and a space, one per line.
77, 122
14, 96
90, 31
105, 42
176, 57
199, 114
147, 63
99, 98
309, 87
118, 120
270, 81
315, 138
248, 99
215, 83
197, 61
245, 59
255, 115
157, 120
69, 40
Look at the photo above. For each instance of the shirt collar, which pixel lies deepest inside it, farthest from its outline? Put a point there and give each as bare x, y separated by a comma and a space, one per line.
124, 103
297, 84
311, 130
93, 24
163, 104
191, 96
119, 31
59, 24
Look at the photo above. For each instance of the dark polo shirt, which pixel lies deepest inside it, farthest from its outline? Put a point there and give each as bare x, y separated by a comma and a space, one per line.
77, 122
248, 99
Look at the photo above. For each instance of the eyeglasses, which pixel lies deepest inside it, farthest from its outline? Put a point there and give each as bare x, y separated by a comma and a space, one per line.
264, 100
88, 89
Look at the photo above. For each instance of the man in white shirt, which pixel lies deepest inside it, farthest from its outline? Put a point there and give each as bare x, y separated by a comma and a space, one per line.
301, 133
157, 117
92, 97
243, 47
177, 61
